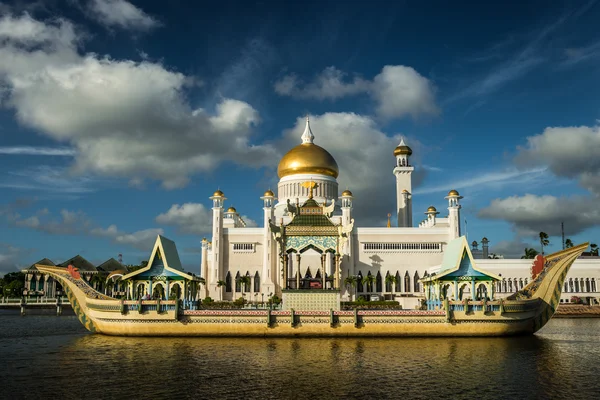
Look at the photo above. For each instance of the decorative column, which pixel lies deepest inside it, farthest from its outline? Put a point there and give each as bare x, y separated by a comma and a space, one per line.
336, 279
216, 260
285, 271
268, 216
323, 272
473, 294
299, 272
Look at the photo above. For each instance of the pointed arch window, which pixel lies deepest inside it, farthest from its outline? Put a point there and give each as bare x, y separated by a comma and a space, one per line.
256, 282
359, 283
238, 284
369, 283
417, 284
228, 282
247, 284
378, 282
406, 282
398, 282
388, 284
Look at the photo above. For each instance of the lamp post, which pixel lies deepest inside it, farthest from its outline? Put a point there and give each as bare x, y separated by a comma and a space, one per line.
263, 299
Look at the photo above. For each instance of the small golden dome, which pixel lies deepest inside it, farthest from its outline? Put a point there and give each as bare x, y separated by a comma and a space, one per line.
218, 193
308, 158
402, 148
431, 209
485, 239
269, 193
404, 191
346, 193
453, 193
231, 209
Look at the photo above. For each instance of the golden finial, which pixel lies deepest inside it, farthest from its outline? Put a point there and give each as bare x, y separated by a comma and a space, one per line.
389, 224
310, 185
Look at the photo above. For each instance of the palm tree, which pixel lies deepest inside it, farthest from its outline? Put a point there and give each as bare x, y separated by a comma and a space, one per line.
529, 253
220, 284
351, 281
244, 280
594, 249
544, 240
568, 243
369, 281
390, 280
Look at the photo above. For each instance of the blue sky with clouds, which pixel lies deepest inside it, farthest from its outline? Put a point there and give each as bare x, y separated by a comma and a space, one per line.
119, 119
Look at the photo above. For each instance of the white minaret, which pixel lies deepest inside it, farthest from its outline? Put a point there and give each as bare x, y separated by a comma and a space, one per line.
216, 259
403, 172
269, 247
454, 213
346, 198
204, 266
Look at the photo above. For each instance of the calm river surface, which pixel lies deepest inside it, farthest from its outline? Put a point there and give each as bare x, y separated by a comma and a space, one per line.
54, 357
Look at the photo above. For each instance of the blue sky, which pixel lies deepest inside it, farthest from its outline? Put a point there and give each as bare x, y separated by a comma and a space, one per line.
119, 119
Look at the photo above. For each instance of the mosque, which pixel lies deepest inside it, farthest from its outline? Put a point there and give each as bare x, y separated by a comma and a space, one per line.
308, 242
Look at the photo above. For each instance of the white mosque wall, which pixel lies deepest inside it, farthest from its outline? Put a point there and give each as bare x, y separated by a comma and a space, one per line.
581, 281
243, 253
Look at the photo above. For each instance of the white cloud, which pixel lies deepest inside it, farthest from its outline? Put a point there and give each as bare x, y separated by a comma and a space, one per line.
69, 222
365, 157
329, 84
125, 119
47, 179
531, 214
489, 180
193, 218
37, 151
398, 90
142, 239
9, 258
122, 14
570, 152
401, 91
513, 248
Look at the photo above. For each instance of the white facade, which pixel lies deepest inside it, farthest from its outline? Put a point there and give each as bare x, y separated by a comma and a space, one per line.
404, 251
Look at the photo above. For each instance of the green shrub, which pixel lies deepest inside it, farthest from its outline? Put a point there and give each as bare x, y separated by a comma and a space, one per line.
207, 300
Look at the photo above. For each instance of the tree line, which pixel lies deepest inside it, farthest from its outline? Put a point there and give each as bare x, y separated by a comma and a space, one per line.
545, 241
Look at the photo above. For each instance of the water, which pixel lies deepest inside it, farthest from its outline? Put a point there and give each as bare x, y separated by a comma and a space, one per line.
52, 357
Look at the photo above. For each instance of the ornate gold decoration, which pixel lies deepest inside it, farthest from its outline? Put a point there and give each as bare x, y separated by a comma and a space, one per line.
310, 185
308, 158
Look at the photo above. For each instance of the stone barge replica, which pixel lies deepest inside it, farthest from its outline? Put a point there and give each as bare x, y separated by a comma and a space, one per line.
450, 312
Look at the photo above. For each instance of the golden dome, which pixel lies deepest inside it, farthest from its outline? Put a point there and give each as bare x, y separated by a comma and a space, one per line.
453, 193
404, 191
218, 193
308, 158
231, 209
431, 209
269, 193
402, 148
346, 193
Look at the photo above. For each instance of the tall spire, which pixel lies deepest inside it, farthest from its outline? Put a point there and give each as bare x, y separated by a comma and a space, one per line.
307, 136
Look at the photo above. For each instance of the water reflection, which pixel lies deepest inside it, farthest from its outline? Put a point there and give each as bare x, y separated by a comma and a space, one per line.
559, 363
